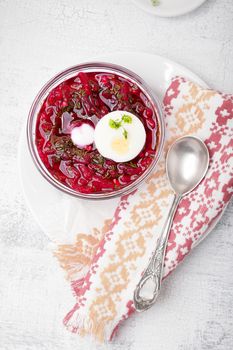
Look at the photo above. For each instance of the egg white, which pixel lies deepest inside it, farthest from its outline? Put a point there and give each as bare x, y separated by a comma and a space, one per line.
105, 137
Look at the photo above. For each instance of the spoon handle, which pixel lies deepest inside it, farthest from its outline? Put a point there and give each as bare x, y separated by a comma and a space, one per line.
154, 271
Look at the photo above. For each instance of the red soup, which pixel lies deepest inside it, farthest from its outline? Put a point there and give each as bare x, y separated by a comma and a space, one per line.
86, 98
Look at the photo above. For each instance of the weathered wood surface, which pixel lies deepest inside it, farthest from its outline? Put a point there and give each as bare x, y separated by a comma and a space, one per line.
37, 39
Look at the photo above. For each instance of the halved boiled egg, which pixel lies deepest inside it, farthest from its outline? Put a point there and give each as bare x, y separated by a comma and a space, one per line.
120, 136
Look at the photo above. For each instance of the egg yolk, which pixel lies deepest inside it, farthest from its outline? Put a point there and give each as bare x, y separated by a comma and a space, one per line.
120, 145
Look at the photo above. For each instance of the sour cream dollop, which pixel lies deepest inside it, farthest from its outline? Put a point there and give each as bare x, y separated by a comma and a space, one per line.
82, 135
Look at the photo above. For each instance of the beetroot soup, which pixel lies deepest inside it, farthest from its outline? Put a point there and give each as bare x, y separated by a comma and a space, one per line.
85, 99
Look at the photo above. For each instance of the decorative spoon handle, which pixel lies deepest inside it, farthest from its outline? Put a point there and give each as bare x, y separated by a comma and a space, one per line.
152, 276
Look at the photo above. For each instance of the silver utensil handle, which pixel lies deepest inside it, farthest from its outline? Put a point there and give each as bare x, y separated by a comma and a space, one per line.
154, 271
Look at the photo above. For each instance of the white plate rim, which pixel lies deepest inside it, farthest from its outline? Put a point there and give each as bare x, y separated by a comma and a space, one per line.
154, 10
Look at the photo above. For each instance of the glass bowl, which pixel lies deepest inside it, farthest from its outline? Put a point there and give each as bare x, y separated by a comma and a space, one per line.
69, 73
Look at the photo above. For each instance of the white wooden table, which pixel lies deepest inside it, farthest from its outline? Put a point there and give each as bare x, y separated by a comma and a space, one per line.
37, 39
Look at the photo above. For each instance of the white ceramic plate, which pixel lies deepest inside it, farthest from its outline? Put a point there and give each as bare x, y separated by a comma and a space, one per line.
169, 8
57, 212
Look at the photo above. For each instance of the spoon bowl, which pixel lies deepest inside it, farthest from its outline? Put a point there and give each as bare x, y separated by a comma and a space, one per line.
186, 164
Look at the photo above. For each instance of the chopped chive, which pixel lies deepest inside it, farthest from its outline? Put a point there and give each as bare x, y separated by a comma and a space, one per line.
116, 124
125, 134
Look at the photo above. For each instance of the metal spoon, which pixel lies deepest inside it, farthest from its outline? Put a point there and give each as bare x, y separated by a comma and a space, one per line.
186, 165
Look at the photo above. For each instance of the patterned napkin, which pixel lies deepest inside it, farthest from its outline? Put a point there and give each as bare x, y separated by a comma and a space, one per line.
104, 264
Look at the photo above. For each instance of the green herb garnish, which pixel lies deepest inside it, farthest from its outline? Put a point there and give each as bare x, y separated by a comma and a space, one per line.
126, 119
133, 165
155, 2
125, 134
116, 124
